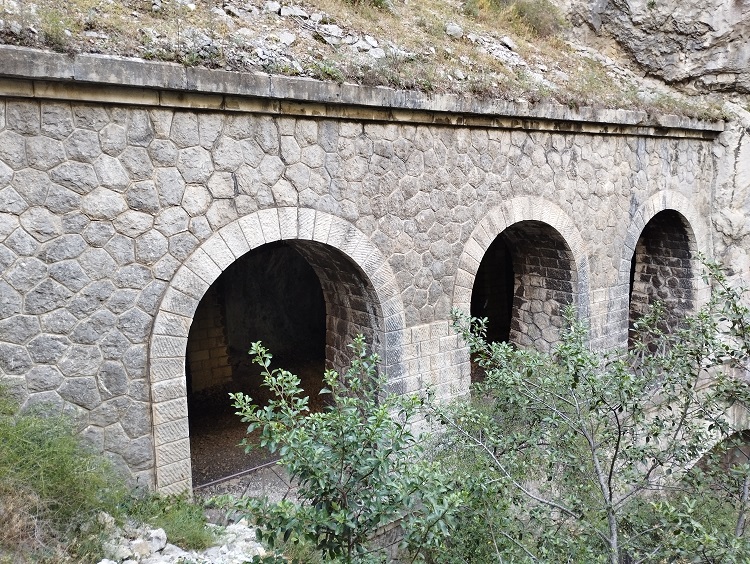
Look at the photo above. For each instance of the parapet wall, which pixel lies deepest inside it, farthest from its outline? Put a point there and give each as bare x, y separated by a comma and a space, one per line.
127, 188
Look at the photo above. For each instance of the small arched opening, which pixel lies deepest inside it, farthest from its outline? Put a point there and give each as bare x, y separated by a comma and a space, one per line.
525, 279
661, 270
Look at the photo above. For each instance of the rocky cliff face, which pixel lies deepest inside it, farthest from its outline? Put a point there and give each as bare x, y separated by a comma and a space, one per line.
700, 43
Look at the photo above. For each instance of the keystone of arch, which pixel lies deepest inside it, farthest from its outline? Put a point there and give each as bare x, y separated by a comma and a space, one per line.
168, 343
497, 220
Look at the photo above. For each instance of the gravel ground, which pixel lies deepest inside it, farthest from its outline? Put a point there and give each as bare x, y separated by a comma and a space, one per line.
215, 431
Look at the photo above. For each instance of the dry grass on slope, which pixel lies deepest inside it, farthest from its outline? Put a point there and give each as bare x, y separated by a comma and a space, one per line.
508, 49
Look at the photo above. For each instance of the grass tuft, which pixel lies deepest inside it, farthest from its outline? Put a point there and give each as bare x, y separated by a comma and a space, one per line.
183, 520
52, 488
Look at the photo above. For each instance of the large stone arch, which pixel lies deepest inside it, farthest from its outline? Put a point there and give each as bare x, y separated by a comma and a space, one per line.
698, 235
500, 218
169, 337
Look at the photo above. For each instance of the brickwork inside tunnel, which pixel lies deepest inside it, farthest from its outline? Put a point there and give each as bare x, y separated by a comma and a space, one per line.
349, 301
662, 270
207, 364
543, 281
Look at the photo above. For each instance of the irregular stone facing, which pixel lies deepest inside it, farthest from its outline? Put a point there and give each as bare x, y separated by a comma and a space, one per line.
151, 205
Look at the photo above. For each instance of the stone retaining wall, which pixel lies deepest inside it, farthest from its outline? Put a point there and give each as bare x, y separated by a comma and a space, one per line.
121, 206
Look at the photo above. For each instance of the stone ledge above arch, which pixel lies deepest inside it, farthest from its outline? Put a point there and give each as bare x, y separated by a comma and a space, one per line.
168, 342
497, 220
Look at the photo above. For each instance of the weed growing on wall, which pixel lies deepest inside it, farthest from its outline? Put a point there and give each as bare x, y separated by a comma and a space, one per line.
357, 464
585, 457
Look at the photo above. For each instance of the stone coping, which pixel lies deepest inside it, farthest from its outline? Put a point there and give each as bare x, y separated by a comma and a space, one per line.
26, 72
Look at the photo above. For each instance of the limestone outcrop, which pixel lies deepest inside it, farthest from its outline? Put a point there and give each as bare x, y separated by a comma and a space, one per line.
701, 43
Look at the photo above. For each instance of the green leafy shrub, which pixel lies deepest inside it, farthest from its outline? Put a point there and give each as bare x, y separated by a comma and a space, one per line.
587, 457
357, 465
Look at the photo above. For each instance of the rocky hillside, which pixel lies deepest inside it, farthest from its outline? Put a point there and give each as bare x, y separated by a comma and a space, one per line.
598, 53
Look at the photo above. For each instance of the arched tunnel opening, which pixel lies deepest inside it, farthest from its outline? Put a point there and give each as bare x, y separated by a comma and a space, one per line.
661, 270
273, 295
305, 301
526, 277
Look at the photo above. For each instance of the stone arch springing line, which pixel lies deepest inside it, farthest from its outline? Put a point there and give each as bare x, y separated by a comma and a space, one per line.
533, 213
168, 342
697, 235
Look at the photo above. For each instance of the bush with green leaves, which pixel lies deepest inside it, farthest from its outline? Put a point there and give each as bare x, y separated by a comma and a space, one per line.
52, 488
357, 465
581, 456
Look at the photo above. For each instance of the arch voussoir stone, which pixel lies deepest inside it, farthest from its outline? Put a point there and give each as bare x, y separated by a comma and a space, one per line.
203, 266
235, 240
288, 225
306, 223
269, 224
250, 226
168, 344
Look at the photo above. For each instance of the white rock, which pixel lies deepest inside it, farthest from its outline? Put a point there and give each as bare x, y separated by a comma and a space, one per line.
454, 30
293, 11
377, 53
459, 74
157, 538
272, 7
106, 521
371, 40
509, 43
172, 550
117, 549
331, 29
141, 548
287, 38
362, 46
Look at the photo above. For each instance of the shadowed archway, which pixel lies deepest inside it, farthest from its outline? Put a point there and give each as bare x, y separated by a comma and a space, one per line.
358, 288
